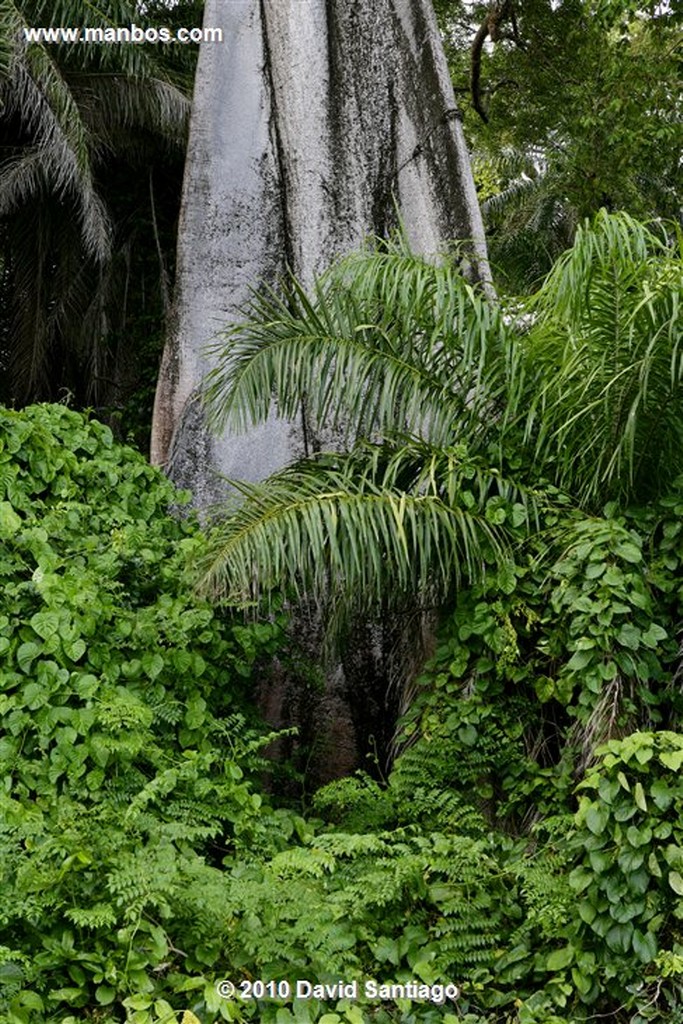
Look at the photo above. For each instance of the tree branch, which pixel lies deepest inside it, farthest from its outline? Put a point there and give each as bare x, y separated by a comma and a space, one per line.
489, 27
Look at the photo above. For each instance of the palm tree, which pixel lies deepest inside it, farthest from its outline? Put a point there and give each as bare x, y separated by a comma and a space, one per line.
431, 391
604, 365
529, 222
87, 135
402, 360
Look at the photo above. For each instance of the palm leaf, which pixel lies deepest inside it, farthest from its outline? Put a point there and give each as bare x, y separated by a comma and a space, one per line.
607, 417
68, 110
360, 530
388, 340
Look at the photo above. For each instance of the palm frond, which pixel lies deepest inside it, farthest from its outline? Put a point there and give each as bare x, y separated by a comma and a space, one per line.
22, 175
387, 340
36, 91
67, 110
111, 103
364, 529
10, 28
607, 416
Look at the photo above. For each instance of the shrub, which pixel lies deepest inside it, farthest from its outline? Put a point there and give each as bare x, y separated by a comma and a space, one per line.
126, 747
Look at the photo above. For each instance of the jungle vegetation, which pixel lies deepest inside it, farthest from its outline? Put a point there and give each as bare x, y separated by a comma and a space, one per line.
526, 843
510, 473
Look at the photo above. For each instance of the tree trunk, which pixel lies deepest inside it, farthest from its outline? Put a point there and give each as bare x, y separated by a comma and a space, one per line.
315, 124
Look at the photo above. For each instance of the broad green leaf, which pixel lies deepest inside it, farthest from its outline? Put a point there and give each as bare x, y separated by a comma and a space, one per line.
26, 654
629, 552
152, 664
596, 818
644, 946
619, 937
600, 860
583, 982
105, 995
10, 522
560, 958
46, 623
468, 735
672, 759
74, 649
676, 882
579, 660
629, 636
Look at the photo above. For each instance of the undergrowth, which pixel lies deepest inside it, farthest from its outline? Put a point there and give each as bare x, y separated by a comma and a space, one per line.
526, 847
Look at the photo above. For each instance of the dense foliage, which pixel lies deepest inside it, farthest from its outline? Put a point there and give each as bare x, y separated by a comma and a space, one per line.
513, 474
568, 107
521, 467
124, 744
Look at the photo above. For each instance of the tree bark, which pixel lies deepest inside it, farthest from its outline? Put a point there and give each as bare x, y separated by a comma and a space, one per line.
315, 124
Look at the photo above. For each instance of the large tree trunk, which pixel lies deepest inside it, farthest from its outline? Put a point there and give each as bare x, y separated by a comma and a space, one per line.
315, 124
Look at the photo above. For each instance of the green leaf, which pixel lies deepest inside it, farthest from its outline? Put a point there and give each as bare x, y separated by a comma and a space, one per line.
629, 636
507, 579
672, 759
10, 522
676, 882
468, 735
623, 781
31, 1000
583, 982
387, 949
354, 1014
652, 636
545, 688
629, 552
653, 866
600, 861
579, 660
195, 715
630, 860
560, 958
639, 836
644, 946
152, 664
74, 649
105, 995
619, 937
639, 795
26, 654
46, 623
596, 818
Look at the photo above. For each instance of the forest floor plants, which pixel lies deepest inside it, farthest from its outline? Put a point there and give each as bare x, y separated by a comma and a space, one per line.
520, 468
128, 749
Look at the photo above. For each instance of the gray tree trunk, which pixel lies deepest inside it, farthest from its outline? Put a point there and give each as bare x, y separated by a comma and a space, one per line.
315, 124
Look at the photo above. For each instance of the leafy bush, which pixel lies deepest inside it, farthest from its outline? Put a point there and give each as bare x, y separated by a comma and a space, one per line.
125, 743
519, 469
504, 852
630, 877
